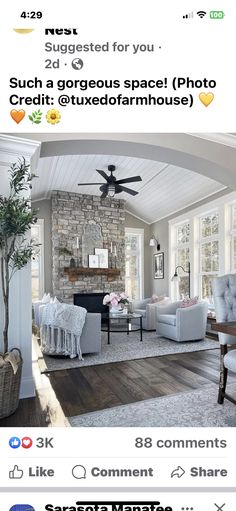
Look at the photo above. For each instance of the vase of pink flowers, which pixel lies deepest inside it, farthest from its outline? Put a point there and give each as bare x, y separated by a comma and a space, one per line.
116, 302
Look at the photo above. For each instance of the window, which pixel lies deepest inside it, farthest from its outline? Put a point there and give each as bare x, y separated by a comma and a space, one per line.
208, 235
209, 253
182, 256
134, 263
233, 239
37, 262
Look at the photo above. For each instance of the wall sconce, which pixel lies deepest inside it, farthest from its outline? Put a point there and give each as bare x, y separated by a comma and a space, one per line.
176, 277
154, 243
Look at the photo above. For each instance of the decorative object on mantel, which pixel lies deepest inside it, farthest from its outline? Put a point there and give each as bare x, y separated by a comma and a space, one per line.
72, 263
63, 251
113, 259
159, 266
154, 243
93, 261
102, 254
77, 249
116, 302
74, 273
91, 238
115, 255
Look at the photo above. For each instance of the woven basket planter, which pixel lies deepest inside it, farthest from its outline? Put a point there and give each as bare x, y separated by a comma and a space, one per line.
10, 387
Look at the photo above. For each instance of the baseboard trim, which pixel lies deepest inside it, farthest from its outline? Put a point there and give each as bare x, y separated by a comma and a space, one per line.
27, 388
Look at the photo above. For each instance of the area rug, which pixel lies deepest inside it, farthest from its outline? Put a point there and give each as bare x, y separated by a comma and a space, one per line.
123, 348
196, 408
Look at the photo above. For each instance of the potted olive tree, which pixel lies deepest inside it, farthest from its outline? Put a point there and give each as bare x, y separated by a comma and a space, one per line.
16, 250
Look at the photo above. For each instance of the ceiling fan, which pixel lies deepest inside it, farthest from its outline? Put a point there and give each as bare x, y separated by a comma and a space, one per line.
112, 186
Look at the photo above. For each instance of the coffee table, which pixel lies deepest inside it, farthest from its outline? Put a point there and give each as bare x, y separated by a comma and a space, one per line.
110, 323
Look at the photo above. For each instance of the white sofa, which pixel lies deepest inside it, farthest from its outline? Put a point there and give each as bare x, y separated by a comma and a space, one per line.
182, 324
148, 311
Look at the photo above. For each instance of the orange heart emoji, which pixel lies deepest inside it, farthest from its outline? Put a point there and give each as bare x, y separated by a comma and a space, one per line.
17, 115
206, 99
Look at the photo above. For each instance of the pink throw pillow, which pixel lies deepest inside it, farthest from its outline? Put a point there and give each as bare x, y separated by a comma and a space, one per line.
188, 302
156, 299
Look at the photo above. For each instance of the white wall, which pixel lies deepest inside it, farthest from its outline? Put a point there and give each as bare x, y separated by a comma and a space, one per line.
134, 223
20, 328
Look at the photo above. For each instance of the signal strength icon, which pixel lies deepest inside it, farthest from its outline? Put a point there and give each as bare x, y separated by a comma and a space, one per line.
201, 14
188, 16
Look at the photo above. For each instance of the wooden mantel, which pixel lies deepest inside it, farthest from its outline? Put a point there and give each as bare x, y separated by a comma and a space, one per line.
74, 273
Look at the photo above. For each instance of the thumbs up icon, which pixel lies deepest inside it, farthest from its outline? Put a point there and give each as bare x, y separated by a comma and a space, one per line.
16, 473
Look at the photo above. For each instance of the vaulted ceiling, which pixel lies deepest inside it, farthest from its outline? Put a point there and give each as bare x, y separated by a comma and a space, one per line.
164, 189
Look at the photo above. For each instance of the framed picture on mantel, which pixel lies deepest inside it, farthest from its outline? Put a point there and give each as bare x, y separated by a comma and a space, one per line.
159, 265
102, 254
93, 261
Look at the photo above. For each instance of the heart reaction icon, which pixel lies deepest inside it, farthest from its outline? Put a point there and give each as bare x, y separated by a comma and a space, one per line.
26, 442
17, 115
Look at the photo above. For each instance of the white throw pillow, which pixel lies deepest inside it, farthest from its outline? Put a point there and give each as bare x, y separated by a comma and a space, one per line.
46, 298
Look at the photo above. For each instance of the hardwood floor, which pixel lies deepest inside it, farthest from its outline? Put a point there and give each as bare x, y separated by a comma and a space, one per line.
76, 391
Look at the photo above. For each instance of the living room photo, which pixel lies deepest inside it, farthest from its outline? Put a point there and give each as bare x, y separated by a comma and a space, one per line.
118, 280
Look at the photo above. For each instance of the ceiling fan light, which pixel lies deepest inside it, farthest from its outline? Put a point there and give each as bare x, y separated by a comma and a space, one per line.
111, 191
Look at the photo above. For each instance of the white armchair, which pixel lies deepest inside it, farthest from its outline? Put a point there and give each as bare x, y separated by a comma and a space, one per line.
148, 311
182, 324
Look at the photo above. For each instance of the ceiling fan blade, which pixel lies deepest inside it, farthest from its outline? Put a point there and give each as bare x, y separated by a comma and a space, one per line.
129, 180
88, 184
104, 195
103, 174
127, 190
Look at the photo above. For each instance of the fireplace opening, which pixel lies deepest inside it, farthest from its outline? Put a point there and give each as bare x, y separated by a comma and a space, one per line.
92, 302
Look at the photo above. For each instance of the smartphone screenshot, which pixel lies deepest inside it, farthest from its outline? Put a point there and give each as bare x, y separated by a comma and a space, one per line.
117, 256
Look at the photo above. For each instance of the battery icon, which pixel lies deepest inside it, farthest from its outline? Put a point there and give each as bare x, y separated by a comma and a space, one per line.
217, 15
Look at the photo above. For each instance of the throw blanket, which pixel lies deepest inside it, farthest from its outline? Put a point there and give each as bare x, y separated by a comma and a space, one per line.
12, 357
61, 328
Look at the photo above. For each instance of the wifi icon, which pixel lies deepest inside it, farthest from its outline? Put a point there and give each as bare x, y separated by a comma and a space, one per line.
201, 14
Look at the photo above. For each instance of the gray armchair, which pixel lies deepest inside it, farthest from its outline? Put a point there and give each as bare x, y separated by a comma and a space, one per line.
182, 324
148, 311
90, 340
224, 292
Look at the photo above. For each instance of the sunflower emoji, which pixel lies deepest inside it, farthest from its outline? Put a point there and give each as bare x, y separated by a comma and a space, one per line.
53, 116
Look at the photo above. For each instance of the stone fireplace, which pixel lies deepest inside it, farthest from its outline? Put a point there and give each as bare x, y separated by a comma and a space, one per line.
74, 216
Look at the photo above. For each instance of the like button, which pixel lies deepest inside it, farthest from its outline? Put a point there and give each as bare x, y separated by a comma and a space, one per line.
16, 473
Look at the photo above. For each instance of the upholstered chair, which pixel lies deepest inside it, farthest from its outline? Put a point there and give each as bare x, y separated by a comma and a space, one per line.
182, 324
148, 311
224, 292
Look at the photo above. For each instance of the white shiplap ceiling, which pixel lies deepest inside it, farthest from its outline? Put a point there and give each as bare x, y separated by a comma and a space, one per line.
164, 188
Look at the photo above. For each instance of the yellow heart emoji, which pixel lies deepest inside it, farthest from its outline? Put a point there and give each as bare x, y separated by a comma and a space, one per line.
206, 99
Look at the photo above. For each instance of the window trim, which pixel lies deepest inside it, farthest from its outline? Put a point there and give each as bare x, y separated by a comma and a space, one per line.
232, 235
40, 223
208, 239
140, 232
